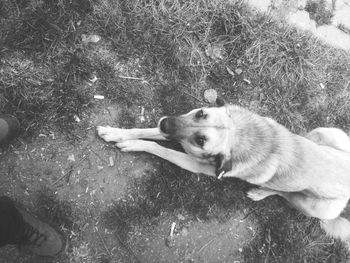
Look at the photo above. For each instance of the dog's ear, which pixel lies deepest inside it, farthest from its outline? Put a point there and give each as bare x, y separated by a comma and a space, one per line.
223, 165
220, 102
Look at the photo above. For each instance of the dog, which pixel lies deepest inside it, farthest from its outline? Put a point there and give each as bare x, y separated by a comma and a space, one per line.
311, 172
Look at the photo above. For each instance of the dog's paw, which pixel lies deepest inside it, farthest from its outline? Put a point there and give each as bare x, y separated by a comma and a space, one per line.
258, 194
110, 134
135, 146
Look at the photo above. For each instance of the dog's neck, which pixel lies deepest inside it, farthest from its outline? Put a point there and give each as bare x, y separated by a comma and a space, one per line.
254, 146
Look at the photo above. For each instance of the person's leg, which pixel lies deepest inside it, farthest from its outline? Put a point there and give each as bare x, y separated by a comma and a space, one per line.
9, 129
11, 222
26, 231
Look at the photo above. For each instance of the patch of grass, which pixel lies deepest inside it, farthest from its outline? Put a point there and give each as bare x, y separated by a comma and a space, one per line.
174, 100
289, 236
275, 61
170, 39
28, 93
278, 69
118, 90
44, 72
43, 25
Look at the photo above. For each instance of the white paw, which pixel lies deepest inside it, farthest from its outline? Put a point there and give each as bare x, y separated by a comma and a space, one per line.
135, 146
110, 134
258, 194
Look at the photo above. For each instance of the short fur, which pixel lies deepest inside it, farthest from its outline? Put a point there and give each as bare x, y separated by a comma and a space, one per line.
311, 172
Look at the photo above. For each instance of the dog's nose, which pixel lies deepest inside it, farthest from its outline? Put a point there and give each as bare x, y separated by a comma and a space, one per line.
168, 126
172, 128
164, 125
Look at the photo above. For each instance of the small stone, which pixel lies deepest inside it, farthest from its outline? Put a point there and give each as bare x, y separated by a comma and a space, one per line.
111, 161
76, 118
90, 38
181, 217
238, 71
71, 158
99, 97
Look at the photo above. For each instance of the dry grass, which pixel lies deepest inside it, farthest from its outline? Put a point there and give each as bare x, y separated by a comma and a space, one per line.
42, 76
284, 74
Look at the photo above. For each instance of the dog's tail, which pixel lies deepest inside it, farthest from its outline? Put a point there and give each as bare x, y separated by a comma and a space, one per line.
338, 228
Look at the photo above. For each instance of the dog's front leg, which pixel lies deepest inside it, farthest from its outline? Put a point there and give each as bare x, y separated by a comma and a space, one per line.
182, 160
110, 134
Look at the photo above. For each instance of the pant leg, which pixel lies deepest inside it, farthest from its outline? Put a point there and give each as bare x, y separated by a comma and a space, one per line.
11, 222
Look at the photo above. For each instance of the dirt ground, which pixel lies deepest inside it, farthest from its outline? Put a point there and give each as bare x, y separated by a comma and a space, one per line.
82, 181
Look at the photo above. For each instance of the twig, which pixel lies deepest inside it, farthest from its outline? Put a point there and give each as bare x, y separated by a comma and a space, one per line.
69, 172
99, 156
127, 249
205, 245
189, 94
63, 176
133, 78
249, 213
268, 239
104, 243
267, 255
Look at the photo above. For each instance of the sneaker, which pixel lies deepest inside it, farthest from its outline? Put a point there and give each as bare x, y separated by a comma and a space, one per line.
9, 128
39, 237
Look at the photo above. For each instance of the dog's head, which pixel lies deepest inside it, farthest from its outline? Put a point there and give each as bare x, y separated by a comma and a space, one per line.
204, 133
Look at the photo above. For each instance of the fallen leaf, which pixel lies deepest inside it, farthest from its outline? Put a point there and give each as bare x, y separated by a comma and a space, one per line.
94, 79
210, 95
215, 51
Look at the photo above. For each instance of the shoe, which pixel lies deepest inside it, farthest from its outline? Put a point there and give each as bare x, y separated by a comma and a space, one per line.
9, 128
39, 237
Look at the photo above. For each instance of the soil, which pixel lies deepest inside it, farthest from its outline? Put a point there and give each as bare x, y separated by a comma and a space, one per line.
73, 184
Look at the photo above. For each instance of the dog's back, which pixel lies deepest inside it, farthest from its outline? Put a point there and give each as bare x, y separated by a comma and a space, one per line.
319, 167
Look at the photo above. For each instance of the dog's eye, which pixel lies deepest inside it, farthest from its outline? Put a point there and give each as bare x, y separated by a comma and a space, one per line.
200, 114
200, 140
